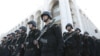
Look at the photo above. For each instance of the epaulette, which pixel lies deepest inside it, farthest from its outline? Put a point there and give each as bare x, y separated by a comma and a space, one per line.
36, 33
56, 25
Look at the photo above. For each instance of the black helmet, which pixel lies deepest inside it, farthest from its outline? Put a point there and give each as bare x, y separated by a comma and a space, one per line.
77, 29
4, 37
17, 31
33, 23
13, 34
69, 25
8, 34
86, 33
46, 13
23, 28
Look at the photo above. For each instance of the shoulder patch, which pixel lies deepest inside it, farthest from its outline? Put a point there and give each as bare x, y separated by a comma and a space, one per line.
36, 33
56, 25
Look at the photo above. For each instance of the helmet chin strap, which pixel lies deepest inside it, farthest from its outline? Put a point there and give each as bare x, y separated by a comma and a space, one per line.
32, 28
46, 20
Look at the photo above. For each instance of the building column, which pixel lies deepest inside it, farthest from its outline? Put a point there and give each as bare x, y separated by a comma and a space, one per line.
65, 13
78, 16
46, 5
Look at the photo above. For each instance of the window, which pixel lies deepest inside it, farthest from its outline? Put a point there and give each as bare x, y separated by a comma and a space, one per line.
31, 17
96, 31
56, 12
38, 22
26, 21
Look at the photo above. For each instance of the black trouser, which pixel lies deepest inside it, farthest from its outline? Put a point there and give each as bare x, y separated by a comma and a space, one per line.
22, 52
50, 52
29, 52
71, 52
5, 52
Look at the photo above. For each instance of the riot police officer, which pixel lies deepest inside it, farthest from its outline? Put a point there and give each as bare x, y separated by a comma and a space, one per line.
17, 43
86, 51
31, 45
91, 46
11, 43
80, 40
51, 41
23, 31
72, 41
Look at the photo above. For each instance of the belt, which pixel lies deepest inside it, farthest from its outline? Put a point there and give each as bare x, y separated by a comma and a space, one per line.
17, 45
29, 48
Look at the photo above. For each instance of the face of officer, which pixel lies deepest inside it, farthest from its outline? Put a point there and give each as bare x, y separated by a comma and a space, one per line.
78, 31
8, 36
69, 28
86, 34
4, 38
21, 31
30, 26
45, 18
16, 33
11, 37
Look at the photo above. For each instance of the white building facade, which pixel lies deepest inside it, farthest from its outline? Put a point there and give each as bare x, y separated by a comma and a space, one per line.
64, 11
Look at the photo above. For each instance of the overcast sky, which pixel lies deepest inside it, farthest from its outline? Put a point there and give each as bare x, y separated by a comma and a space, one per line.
91, 9
12, 12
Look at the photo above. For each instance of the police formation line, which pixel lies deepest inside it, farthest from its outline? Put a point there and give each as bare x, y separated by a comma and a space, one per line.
49, 41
